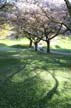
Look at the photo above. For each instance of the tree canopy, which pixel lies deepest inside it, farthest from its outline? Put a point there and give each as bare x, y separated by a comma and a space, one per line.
38, 20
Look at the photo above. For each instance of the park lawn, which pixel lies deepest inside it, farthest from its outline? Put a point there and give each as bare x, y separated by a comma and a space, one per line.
61, 44
58, 44
10, 42
31, 79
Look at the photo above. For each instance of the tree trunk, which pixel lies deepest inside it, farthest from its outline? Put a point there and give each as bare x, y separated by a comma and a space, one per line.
48, 46
68, 4
16, 36
36, 46
30, 44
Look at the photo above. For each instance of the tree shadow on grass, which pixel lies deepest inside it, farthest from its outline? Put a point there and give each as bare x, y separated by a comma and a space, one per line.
6, 51
44, 102
19, 46
57, 46
21, 95
22, 89
59, 49
2, 45
24, 94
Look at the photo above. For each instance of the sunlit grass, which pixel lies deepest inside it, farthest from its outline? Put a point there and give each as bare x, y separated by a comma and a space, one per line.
26, 77
9, 42
61, 43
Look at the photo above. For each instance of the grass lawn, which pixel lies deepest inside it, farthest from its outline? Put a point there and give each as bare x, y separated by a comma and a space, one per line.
61, 44
31, 79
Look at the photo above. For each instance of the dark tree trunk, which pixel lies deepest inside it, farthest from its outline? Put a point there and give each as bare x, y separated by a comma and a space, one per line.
16, 36
36, 46
48, 46
30, 44
68, 4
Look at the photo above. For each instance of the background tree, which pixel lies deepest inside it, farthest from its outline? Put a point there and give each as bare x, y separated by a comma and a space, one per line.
2, 3
68, 4
39, 23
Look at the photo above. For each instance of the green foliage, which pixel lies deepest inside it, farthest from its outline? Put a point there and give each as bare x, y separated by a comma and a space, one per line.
5, 29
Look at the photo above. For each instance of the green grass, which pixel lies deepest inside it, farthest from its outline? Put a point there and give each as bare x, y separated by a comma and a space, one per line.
61, 44
31, 79
14, 42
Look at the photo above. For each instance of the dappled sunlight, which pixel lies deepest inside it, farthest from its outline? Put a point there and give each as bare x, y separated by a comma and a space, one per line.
45, 76
30, 94
6, 29
34, 79
22, 76
35, 54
